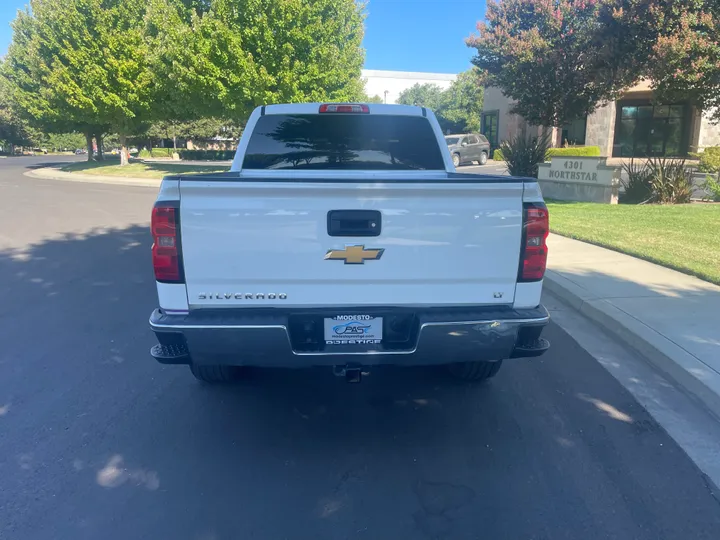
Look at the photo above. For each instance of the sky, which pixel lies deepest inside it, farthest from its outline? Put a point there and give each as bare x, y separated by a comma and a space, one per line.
400, 35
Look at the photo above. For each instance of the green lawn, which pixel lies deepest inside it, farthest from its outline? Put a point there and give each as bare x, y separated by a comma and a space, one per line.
157, 169
685, 237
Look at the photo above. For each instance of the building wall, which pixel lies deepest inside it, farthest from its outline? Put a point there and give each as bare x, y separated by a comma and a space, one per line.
600, 130
600, 127
509, 125
377, 82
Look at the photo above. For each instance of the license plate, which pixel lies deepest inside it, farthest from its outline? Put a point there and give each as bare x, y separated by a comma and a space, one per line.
353, 330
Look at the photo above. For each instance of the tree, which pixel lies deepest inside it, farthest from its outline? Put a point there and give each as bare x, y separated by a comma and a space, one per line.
62, 141
686, 60
238, 54
423, 95
13, 130
462, 103
119, 65
82, 64
458, 108
23, 74
560, 59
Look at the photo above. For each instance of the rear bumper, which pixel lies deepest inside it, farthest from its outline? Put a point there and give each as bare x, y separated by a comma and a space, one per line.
272, 338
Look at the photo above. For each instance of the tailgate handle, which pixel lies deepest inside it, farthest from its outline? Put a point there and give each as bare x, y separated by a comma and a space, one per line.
354, 222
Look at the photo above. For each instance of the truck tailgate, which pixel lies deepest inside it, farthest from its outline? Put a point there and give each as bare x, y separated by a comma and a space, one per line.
270, 243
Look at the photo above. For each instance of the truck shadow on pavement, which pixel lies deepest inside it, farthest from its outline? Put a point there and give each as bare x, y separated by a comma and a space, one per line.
408, 453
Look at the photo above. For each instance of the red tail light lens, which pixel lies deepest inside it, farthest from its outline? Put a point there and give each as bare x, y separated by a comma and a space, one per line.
536, 226
166, 245
344, 108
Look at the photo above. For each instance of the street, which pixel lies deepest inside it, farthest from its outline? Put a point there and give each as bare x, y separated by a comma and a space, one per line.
98, 441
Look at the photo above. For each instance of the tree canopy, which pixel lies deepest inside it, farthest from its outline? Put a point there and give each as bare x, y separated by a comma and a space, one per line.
686, 60
462, 103
14, 131
82, 65
458, 109
120, 65
243, 53
561, 59
557, 59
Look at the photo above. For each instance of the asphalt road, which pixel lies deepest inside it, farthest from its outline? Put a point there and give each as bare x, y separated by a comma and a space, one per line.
99, 442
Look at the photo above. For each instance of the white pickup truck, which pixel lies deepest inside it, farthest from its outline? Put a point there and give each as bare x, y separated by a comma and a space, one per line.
342, 236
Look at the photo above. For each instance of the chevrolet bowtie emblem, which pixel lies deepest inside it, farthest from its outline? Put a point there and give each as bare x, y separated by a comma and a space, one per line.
354, 254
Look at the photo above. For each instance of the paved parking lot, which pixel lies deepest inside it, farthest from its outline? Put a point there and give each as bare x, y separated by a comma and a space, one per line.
491, 167
98, 441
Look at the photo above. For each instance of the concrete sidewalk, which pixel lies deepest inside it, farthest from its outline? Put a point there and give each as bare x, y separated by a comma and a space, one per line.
671, 318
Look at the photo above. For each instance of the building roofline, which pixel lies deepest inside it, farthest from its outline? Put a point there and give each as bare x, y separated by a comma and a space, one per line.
409, 75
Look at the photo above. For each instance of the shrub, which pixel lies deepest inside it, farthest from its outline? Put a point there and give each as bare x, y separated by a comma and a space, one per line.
576, 151
522, 155
638, 187
671, 180
712, 187
156, 153
660, 180
710, 159
162, 152
203, 155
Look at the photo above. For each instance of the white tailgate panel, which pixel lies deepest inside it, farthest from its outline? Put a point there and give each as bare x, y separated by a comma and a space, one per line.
445, 243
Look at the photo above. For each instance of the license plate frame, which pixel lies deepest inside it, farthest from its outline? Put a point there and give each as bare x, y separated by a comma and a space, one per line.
346, 330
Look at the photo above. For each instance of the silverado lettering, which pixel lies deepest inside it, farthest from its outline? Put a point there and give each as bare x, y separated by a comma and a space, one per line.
240, 296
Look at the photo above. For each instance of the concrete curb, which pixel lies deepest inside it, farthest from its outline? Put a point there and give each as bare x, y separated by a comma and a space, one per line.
51, 173
692, 375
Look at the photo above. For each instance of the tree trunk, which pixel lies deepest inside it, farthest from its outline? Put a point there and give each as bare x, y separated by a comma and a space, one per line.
99, 142
124, 157
88, 141
174, 143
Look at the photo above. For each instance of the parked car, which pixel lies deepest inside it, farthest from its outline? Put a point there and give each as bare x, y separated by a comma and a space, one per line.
365, 247
467, 147
80, 151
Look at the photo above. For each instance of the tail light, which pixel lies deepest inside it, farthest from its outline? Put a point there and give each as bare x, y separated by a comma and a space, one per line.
166, 254
536, 227
343, 108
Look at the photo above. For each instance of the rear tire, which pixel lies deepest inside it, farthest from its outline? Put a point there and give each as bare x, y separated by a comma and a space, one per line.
456, 159
474, 371
215, 374
483, 158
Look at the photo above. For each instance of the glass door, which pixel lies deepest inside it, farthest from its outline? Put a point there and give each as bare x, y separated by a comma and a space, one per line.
490, 122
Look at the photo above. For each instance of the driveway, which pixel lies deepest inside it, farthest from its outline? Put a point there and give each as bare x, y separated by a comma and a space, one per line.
99, 441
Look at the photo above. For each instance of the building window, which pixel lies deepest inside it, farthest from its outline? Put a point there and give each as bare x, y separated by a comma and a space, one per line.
573, 134
643, 129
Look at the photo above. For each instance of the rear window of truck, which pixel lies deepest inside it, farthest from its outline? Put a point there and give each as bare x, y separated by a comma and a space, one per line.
343, 141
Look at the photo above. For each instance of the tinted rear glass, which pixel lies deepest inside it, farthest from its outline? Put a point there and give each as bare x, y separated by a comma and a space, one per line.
343, 141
